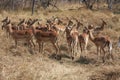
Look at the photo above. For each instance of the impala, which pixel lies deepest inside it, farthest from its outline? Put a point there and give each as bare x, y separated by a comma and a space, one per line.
83, 39
100, 28
46, 36
72, 38
101, 42
20, 35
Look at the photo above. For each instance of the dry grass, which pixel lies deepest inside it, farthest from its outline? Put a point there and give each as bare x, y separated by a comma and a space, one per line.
107, 73
21, 64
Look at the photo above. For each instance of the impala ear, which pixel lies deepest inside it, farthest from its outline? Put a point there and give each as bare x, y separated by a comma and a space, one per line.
12, 24
119, 38
30, 19
9, 22
103, 21
20, 19
81, 23
5, 19
67, 18
86, 28
24, 20
38, 23
90, 27
74, 25
75, 19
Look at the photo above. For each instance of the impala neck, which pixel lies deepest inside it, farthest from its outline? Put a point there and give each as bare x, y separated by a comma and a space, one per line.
33, 22
102, 26
91, 36
10, 28
78, 25
33, 29
119, 39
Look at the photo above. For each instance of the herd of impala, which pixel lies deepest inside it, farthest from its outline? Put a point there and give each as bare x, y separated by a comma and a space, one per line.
49, 30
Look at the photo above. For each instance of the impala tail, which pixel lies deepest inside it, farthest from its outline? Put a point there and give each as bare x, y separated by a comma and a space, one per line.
110, 46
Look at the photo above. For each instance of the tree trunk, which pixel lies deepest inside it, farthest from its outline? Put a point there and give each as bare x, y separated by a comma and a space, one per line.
110, 3
33, 4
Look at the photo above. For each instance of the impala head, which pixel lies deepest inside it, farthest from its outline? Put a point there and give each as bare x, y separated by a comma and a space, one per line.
5, 20
33, 22
29, 21
104, 22
58, 21
70, 23
119, 38
64, 21
68, 29
5, 23
21, 21
54, 27
78, 22
8, 22
90, 27
49, 21
86, 30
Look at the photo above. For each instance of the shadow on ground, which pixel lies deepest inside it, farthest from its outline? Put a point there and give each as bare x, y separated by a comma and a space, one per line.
86, 60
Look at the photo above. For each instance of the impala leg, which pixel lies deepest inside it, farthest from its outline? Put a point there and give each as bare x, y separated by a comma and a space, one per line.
78, 46
103, 58
72, 46
70, 50
98, 54
33, 43
69, 47
42, 48
15, 43
29, 43
110, 51
39, 46
85, 47
73, 50
111, 55
56, 47
7, 35
81, 47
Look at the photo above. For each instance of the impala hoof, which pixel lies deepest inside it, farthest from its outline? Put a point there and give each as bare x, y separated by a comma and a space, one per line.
58, 57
